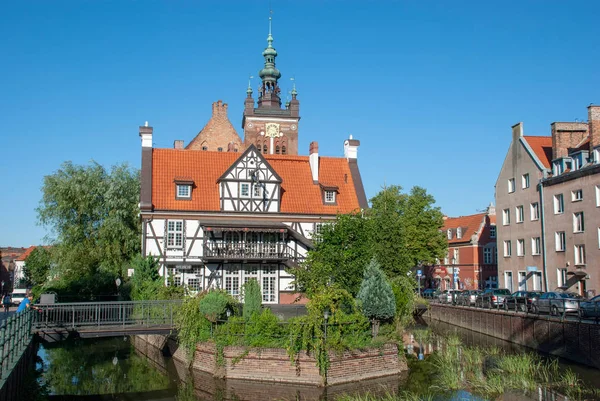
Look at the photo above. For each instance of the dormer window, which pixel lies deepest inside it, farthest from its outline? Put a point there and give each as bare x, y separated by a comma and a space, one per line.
329, 196
459, 233
183, 188
449, 233
579, 159
596, 155
562, 165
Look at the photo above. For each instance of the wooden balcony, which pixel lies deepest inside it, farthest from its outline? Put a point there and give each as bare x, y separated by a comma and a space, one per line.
272, 251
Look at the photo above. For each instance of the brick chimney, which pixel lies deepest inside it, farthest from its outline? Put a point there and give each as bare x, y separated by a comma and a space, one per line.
178, 144
594, 126
146, 172
565, 136
313, 159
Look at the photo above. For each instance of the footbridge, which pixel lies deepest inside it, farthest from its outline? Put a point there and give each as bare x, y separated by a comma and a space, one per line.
104, 319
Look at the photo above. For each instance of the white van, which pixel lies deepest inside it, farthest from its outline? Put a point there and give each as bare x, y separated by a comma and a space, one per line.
18, 295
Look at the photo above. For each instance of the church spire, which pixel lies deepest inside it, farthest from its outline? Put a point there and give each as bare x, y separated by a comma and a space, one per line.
268, 96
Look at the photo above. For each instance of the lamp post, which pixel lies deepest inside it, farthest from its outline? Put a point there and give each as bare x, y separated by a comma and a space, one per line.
326, 316
454, 277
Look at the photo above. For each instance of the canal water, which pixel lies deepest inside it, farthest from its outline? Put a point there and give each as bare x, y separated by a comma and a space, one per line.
112, 369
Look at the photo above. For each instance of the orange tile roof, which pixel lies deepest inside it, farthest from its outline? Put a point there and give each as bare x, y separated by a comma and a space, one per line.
468, 224
299, 194
24, 255
542, 147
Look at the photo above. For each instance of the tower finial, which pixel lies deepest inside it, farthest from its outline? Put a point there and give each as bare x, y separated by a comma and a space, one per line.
294, 91
249, 90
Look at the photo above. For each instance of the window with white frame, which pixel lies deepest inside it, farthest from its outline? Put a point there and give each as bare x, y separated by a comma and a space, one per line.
508, 280
269, 278
459, 233
520, 214
596, 155
561, 276
329, 196
194, 284
488, 255
559, 204
535, 211
449, 233
579, 255
598, 193
184, 191
492, 231
522, 281
525, 181
507, 248
535, 245
578, 226
560, 241
231, 275
511, 185
577, 195
447, 258
506, 217
174, 233
455, 258
520, 247
177, 280
244, 190
537, 281
256, 191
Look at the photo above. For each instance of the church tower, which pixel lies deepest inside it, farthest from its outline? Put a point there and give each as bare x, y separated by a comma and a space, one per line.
272, 129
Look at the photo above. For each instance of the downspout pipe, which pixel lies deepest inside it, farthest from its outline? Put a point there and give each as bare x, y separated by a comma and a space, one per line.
543, 222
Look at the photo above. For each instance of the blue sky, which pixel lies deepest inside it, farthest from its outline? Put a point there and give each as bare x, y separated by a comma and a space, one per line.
431, 88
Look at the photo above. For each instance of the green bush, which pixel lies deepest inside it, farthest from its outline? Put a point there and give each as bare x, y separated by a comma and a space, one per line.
252, 298
215, 303
404, 295
192, 326
264, 330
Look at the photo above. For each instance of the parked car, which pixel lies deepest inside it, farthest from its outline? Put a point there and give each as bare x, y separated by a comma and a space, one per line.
430, 293
556, 302
521, 300
448, 296
18, 295
467, 297
492, 297
590, 308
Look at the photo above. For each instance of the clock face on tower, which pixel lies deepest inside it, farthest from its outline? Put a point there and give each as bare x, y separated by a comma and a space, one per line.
272, 130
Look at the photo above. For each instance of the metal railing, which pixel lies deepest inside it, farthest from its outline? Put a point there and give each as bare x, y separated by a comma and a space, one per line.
248, 250
73, 316
579, 310
15, 335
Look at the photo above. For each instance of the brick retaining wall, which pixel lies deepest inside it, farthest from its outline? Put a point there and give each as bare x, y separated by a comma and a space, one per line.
573, 340
274, 364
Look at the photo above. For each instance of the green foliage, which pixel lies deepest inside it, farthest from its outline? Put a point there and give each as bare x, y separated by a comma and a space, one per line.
264, 330
145, 282
252, 298
192, 326
400, 230
342, 250
93, 215
215, 303
376, 295
403, 288
37, 266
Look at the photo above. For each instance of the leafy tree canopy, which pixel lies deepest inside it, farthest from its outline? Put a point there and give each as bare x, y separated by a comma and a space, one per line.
93, 216
401, 230
37, 266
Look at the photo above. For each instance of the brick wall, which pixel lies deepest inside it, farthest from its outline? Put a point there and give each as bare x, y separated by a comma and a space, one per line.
572, 340
218, 132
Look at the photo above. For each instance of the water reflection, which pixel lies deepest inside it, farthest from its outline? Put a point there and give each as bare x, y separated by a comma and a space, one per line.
116, 370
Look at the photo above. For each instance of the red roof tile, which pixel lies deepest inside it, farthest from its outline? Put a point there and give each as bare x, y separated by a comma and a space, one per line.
468, 224
542, 147
24, 255
299, 194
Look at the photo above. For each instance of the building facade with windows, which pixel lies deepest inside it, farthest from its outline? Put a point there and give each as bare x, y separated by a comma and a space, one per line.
471, 252
221, 212
550, 233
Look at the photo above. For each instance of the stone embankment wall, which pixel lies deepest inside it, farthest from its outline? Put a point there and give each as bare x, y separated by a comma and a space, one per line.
274, 364
573, 340
13, 387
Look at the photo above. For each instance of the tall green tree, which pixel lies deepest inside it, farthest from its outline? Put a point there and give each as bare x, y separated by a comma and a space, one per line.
37, 266
400, 230
342, 250
376, 296
92, 214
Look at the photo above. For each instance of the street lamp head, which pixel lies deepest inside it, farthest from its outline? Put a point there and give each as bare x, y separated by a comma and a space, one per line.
326, 314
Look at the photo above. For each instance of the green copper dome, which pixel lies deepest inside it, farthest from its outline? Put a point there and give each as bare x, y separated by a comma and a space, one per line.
269, 72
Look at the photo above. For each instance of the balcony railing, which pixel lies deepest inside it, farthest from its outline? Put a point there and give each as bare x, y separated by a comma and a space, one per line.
247, 250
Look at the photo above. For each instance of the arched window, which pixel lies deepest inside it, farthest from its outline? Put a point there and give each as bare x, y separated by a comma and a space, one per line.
277, 149
204, 147
265, 149
219, 149
283, 150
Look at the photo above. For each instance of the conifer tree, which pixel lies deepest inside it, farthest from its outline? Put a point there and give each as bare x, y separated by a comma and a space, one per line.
376, 295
